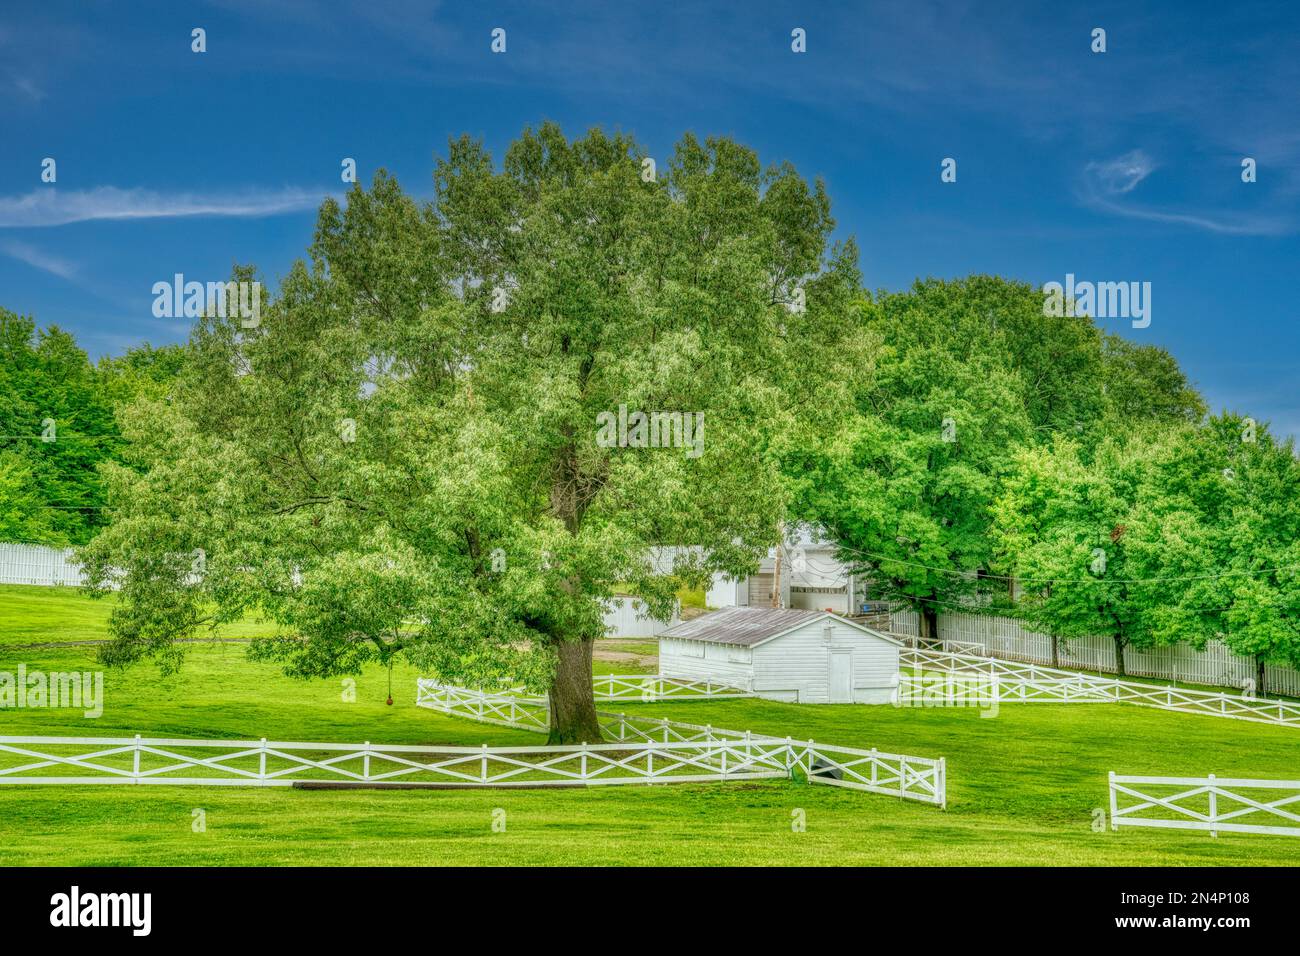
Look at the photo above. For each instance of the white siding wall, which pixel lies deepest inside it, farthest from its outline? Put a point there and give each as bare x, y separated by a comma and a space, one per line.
796, 666
725, 592
626, 618
700, 660
810, 598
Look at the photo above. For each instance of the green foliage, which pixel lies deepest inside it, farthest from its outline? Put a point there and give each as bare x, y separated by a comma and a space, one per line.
1229, 499
1070, 529
57, 426
964, 373
400, 460
1197, 526
24, 517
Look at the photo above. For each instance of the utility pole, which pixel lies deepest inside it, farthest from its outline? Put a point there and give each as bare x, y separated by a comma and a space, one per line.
776, 568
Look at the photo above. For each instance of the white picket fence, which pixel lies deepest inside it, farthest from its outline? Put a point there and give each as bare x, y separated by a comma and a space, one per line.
923, 779
1030, 682
1205, 803
36, 564
1009, 639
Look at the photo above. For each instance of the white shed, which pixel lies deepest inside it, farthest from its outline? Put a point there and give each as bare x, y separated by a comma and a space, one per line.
810, 657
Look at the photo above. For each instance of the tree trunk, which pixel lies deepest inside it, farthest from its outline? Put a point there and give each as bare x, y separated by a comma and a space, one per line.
573, 706
1056, 651
1260, 676
1119, 654
929, 623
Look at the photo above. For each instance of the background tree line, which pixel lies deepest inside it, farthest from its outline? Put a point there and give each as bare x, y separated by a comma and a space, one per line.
999, 459
58, 424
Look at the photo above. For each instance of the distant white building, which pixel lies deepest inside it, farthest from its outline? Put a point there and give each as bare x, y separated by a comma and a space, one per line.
812, 579
626, 616
790, 655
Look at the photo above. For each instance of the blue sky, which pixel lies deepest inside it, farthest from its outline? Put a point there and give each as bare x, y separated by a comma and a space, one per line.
1122, 166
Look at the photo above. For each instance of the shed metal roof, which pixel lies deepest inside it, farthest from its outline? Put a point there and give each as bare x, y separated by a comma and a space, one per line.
748, 626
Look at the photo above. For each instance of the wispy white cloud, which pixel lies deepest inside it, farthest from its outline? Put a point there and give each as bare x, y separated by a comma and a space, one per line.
39, 259
1120, 175
1106, 183
27, 87
55, 207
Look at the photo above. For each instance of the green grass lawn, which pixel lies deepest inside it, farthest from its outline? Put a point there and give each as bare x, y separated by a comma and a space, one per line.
646, 646
1022, 786
40, 615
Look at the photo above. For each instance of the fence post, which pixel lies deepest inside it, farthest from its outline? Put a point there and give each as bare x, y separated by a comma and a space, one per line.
943, 783
135, 766
261, 762
1114, 803
1214, 807
622, 723
483, 765
902, 776
365, 761
584, 760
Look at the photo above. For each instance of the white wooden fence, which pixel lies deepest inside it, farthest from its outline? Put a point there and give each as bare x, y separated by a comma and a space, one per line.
261, 763
1008, 638
1205, 803
505, 710
36, 564
923, 779
1030, 682
648, 688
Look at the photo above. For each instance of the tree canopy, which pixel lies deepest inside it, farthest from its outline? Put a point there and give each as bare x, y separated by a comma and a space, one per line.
410, 453
57, 425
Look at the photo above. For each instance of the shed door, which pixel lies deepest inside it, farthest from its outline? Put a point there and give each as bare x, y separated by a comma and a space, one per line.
841, 679
760, 590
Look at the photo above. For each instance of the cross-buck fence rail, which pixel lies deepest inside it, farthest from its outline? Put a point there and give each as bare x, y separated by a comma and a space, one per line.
27, 761
655, 688
923, 779
262, 763
1205, 803
1030, 682
1011, 639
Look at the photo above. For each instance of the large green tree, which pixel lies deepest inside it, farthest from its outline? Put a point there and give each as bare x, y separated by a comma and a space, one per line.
1079, 532
411, 453
1227, 542
56, 426
964, 372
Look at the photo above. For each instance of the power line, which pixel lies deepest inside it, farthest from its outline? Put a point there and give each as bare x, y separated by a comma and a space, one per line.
971, 575
1009, 610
